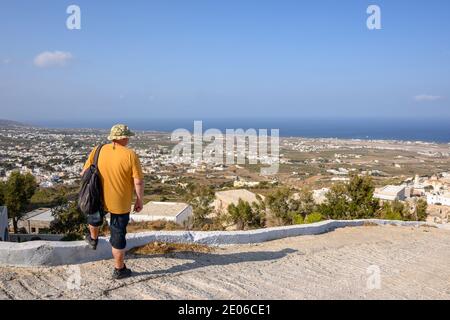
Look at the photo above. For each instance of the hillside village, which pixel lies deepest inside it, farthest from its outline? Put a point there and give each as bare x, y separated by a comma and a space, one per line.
55, 157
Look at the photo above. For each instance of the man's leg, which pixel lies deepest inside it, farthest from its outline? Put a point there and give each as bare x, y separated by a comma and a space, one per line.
119, 257
94, 232
118, 227
94, 222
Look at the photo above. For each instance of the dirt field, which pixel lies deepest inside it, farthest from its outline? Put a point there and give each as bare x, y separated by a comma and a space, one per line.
414, 263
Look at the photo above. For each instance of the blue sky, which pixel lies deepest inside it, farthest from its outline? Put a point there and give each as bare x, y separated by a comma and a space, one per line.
224, 59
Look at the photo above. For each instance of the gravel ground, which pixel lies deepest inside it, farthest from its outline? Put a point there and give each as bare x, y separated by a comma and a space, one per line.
414, 263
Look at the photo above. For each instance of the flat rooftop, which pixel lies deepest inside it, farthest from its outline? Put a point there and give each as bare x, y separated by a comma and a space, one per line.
390, 190
167, 209
235, 195
41, 214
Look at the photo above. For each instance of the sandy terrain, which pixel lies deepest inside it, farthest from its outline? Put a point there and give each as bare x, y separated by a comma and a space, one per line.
414, 264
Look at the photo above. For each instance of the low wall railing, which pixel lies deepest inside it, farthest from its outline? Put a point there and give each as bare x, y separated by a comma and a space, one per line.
51, 253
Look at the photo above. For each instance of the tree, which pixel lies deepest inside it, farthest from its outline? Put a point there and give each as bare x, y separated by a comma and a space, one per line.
2, 193
280, 205
421, 210
260, 209
69, 220
245, 215
336, 203
360, 191
352, 200
290, 208
200, 198
305, 202
18, 190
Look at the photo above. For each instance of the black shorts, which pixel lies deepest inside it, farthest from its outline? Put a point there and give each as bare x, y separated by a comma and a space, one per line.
96, 219
117, 225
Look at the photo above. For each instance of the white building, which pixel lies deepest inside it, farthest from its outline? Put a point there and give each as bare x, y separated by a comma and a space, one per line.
340, 171
177, 212
4, 224
390, 193
439, 198
248, 184
37, 221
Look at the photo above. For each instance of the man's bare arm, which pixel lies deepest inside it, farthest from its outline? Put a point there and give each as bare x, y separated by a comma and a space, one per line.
139, 189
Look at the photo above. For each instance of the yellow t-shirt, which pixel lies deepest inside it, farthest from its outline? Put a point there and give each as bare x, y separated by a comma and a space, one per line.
118, 166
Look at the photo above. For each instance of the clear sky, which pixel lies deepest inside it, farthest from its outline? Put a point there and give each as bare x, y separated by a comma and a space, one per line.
224, 58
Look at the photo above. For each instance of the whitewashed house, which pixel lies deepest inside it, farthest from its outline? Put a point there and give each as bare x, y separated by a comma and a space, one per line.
37, 221
439, 198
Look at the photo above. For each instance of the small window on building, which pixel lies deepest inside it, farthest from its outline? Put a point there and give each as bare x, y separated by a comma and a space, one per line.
33, 230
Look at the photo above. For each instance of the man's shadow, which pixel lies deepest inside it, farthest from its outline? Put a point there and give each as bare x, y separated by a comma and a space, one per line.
209, 259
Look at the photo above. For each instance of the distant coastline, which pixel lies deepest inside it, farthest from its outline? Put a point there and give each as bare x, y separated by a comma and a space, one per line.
11, 123
428, 130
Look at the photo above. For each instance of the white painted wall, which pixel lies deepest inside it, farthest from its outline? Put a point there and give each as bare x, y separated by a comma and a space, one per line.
437, 198
45, 253
184, 215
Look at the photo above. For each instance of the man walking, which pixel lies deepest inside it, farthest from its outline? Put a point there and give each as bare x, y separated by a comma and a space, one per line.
120, 175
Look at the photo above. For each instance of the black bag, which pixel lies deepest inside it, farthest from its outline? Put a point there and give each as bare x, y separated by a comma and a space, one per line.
90, 197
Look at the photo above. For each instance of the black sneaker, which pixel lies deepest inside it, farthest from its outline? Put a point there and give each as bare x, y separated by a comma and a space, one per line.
121, 273
91, 242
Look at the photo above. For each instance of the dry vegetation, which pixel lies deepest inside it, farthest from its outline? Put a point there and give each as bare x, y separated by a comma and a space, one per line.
165, 248
370, 224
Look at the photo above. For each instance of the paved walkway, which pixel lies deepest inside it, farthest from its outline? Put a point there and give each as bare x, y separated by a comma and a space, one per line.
414, 263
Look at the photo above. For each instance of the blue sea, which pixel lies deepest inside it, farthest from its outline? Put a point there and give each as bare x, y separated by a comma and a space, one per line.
430, 130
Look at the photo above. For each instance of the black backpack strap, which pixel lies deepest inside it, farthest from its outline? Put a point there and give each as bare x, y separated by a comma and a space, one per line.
97, 153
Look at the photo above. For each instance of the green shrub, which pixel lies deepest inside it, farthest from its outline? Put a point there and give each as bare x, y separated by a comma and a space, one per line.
421, 210
297, 218
393, 216
285, 203
72, 237
394, 210
245, 216
313, 217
